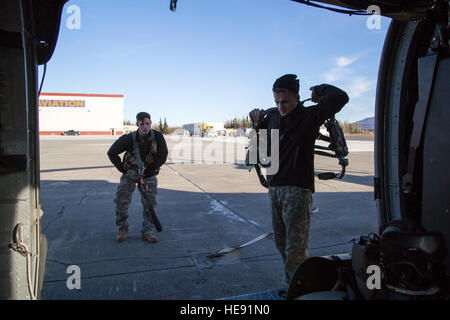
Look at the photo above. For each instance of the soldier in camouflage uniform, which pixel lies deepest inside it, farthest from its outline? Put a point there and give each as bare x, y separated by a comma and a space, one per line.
291, 187
145, 148
291, 207
122, 200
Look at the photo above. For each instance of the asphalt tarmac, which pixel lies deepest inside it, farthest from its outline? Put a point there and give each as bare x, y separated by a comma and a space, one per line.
207, 200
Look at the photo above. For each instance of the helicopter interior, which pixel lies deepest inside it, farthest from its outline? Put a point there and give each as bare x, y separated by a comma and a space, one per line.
411, 182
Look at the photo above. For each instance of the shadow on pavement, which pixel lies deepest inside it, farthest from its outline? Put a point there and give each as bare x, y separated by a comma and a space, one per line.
79, 222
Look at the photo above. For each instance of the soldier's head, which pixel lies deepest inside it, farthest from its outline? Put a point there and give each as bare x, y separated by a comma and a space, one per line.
144, 123
286, 93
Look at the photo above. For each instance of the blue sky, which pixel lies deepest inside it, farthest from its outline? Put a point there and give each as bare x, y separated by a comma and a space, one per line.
213, 60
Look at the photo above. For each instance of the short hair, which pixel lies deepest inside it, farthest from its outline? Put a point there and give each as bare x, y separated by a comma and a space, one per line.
288, 82
142, 115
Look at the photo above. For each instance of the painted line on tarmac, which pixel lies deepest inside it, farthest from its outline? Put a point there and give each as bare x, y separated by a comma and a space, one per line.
216, 202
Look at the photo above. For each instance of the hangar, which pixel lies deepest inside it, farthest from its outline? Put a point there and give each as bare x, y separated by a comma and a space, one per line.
90, 114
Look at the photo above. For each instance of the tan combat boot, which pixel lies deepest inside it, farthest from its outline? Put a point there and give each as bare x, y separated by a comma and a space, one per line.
149, 237
121, 236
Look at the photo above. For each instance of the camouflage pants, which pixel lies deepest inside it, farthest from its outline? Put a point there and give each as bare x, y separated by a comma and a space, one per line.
291, 209
123, 199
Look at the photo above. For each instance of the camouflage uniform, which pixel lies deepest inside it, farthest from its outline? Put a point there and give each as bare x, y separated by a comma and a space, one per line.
144, 156
291, 209
128, 183
123, 199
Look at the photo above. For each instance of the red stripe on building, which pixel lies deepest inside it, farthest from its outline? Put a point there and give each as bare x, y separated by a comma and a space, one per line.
82, 95
82, 133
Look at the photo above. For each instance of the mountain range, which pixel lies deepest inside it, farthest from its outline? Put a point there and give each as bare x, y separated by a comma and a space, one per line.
367, 123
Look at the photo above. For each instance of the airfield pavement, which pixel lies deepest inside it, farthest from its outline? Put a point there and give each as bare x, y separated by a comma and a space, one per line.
207, 200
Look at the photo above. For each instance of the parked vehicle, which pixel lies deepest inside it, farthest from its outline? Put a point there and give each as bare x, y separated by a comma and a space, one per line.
71, 133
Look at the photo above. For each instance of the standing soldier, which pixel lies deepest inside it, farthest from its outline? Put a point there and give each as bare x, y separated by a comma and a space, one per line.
144, 148
291, 187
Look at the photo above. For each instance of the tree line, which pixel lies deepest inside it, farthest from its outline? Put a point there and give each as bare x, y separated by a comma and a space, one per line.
162, 126
238, 123
352, 128
244, 122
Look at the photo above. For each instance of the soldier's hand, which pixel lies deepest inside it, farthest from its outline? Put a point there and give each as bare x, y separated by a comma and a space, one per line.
255, 115
314, 96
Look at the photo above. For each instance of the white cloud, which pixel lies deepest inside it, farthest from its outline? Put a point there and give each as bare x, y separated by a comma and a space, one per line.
345, 76
331, 76
345, 61
341, 72
359, 86
337, 74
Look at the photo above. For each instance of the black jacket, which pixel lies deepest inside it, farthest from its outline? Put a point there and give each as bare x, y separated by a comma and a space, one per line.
298, 131
125, 143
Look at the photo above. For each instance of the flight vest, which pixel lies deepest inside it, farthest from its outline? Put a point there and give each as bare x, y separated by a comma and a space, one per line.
133, 161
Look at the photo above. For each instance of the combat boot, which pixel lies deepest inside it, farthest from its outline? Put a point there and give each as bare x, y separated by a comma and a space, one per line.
149, 237
121, 236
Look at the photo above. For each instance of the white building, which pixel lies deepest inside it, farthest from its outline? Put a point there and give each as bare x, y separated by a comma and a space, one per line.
90, 114
203, 128
195, 129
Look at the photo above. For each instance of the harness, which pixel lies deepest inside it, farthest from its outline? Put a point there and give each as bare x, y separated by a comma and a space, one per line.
337, 145
133, 162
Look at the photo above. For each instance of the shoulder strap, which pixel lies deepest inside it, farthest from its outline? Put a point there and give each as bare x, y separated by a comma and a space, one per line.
154, 147
136, 152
